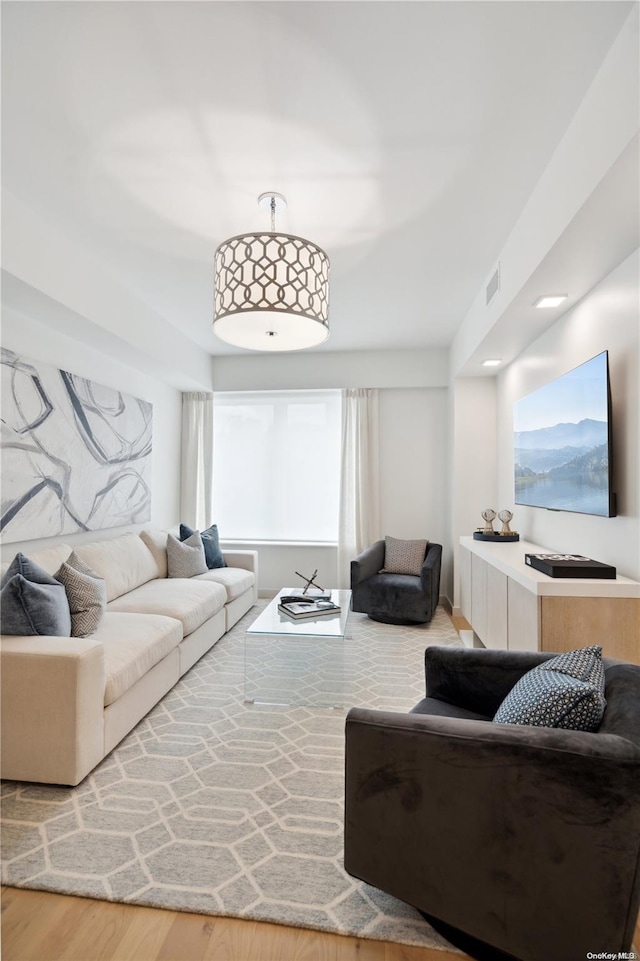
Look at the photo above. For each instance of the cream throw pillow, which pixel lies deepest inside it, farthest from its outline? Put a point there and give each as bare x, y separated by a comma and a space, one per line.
186, 558
403, 557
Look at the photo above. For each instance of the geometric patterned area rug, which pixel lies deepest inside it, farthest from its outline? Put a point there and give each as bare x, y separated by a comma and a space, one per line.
215, 806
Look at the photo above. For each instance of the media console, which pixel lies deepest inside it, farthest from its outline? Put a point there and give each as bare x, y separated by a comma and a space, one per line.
510, 605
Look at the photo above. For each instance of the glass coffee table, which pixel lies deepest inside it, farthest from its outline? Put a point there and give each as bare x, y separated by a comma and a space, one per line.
297, 662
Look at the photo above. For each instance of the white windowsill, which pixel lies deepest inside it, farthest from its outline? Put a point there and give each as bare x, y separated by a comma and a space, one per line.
245, 543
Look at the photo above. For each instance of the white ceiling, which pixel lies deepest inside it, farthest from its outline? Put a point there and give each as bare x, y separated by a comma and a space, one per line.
406, 136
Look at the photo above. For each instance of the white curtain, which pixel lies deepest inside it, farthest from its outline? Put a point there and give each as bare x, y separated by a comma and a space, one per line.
196, 507
359, 488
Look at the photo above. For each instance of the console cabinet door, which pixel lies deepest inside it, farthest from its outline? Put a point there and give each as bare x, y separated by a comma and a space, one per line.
464, 559
524, 618
497, 610
479, 600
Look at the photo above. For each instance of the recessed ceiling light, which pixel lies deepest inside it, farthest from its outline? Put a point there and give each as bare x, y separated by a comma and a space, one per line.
550, 300
492, 362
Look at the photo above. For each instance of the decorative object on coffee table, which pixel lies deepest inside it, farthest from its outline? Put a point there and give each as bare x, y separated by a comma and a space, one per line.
310, 581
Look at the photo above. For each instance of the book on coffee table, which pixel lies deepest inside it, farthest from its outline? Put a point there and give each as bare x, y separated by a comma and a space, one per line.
301, 608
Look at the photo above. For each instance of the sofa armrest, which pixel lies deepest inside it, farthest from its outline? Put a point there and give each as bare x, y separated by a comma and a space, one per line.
52, 708
520, 808
477, 679
247, 560
368, 563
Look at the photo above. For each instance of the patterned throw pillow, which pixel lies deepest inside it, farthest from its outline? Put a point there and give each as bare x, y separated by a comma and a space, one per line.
566, 692
186, 558
32, 602
403, 557
86, 594
211, 543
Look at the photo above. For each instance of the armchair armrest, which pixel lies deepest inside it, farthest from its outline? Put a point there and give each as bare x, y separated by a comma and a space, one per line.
520, 808
477, 679
368, 563
430, 574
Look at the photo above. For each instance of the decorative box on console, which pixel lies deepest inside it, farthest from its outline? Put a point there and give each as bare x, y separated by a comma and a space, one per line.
569, 565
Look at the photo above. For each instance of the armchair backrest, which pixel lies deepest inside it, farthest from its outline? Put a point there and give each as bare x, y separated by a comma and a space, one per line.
622, 691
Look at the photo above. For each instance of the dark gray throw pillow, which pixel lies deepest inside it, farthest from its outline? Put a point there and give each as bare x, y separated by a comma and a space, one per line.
566, 692
21, 564
211, 543
33, 602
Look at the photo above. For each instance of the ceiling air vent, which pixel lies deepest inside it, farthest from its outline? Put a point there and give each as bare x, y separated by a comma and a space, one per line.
493, 286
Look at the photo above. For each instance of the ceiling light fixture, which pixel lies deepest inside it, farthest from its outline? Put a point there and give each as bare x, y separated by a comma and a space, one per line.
492, 362
271, 289
550, 300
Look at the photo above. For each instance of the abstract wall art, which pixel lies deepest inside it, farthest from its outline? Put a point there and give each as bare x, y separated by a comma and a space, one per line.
76, 456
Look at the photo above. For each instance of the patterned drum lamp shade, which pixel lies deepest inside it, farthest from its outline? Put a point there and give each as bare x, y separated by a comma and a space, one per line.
271, 289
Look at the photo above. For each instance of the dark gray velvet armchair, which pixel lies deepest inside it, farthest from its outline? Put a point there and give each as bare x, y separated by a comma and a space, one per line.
395, 598
525, 838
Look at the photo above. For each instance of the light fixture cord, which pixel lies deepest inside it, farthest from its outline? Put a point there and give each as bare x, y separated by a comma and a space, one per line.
273, 215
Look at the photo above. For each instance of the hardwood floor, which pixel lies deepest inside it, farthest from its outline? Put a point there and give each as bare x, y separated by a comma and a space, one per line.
37, 926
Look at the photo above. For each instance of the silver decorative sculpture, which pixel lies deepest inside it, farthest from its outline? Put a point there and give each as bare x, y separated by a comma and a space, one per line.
505, 517
488, 517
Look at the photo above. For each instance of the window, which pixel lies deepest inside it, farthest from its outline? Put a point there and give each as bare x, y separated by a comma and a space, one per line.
276, 465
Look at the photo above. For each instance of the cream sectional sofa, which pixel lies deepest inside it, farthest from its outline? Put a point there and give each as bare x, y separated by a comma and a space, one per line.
67, 701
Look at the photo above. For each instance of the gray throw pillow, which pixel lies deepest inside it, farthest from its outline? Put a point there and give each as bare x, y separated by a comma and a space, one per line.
86, 594
186, 558
566, 692
32, 602
211, 543
403, 557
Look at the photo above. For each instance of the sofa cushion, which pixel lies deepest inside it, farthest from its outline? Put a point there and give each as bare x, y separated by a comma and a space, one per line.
32, 601
186, 558
565, 692
403, 557
234, 580
156, 541
86, 594
50, 560
125, 562
211, 543
190, 601
133, 644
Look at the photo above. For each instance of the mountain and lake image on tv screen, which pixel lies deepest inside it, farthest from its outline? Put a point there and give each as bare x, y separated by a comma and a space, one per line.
561, 442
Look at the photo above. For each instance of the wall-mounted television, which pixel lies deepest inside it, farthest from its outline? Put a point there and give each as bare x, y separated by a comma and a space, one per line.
562, 443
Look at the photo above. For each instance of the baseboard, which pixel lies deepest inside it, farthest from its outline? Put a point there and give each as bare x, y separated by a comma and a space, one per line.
444, 601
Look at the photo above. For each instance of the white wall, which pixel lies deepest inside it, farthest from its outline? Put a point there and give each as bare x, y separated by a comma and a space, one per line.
606, 319
413, 459
473, 476
38, 259
327, 369
38, 341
